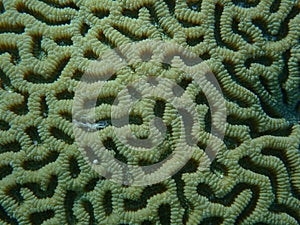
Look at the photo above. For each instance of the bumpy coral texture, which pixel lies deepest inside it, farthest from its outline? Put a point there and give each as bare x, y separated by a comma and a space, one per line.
252, 47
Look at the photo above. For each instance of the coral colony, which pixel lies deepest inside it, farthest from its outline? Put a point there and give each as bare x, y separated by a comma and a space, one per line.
253, 53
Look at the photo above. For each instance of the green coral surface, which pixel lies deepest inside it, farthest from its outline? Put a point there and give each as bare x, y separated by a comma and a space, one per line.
251, 46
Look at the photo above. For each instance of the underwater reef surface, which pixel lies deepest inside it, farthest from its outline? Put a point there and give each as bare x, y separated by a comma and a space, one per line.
251, 47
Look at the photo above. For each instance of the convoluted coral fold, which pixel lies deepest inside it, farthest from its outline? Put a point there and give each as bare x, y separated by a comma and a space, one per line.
251, 47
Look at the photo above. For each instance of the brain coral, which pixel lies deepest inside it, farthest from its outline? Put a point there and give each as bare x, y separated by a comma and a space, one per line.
251, 46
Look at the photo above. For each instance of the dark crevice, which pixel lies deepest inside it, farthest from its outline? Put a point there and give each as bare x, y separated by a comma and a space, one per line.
5, 170
230, 67
49, 77
282, 155
100, 13
201, 145
88, 207
171, 5
194, 41
281, 132
84, 29
141, 202
147, 222
201, 99
263, 60
13, 51
261, 223
153, 16
74, 167
208, 120
33, 133
2, 9
39, 192
284, 74
249, 164
297, 108
190, 167
109, 100
218, 168
10, 147
52, 3
164, 213
37, 50
37, 164
64, 95
205, 190
252, 123
89, 54
44, 107
4, 80
275, 6
265, 83
91, 185
205, 56
159, 108
64, 41
285, 97
110, 145
21, 108
243, 34
286, 209
107, 203
166, 66
168, 32
131, 13
104, 40
231, 142
263, 26
246, 3
130, 34
77, 75
217, 31
14, 192
184, 83
274, 111
60, 135
123, 121
16, 28
38, 218
68, 205
66, 115
212, 221
188, 122
4, 216
187, 23
284, 27
165, 154
194, 5
4, 125
22, 8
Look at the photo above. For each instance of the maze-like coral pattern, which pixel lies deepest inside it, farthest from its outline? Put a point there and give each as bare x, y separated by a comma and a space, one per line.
252, 47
